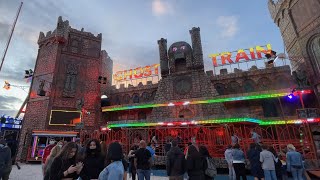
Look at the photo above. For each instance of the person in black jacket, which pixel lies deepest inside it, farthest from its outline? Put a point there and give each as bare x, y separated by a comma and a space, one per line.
205, 153
175, 162
196, 164
65, 165
93, 161
5, 160
253, 155
278, 164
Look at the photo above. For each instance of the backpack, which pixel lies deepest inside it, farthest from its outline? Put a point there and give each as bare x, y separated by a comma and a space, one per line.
211, 171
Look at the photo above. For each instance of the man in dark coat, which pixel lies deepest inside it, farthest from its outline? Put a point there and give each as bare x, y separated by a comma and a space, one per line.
175, 162
5, 160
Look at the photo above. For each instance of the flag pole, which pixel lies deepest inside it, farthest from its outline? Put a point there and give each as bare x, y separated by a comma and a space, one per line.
10, 36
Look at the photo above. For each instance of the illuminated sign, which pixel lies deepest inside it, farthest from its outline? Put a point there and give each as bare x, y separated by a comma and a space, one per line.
137, 73
242, 54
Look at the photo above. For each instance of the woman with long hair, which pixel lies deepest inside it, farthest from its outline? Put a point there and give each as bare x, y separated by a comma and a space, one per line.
196, 164
205, 153
93, 161
115, 170
54, 152
64, 165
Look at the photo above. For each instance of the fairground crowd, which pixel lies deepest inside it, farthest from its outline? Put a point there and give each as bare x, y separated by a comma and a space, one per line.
96, 160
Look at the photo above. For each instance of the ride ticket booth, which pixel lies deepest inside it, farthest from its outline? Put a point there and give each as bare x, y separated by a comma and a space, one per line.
40, 139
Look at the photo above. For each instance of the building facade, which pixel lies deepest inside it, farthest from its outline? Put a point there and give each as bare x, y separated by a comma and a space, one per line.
66, 74
299, 24
186, 102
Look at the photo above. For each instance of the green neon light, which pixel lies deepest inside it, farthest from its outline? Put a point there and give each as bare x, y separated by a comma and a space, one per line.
215, 100
217, 121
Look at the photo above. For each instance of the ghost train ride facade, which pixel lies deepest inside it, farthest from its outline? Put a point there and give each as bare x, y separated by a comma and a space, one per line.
186, 102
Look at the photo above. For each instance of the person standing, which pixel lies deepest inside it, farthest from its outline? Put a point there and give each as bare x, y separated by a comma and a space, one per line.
196, 164
294, 162
64, 166
211, 170
267, 159
46, 152
234, 139
256, 137
54, 152
143, 161
277, 163
93, 161
229, 159
5, 160
253, 155
175, 162
132, 167
115, 170
238, 162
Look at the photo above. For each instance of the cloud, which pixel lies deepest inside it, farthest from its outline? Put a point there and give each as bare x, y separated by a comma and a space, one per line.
161, 7
7, 105
229, 26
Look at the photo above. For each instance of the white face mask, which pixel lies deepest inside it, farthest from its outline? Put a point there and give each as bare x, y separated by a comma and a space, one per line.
60, 145
51, 142
1, 145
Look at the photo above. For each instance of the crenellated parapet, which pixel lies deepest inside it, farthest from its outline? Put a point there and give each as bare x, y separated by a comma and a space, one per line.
62, 31
253, 80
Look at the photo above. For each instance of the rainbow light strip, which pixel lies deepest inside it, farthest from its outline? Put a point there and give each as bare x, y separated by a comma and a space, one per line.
215, 100
217, 121
35, 141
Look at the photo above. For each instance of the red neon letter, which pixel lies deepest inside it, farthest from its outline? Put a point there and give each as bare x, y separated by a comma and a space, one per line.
135, 72
224, 58
214, 59
260, 50
156, 68
241, 55
147, 71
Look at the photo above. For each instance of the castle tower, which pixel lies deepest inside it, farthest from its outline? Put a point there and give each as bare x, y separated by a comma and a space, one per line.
163, 57
197, 48
185, 81
299, 23
67, 69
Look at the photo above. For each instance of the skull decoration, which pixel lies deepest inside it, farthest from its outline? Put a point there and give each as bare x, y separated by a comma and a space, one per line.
179, 50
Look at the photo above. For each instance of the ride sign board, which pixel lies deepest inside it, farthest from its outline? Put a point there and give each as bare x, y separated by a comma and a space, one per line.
242, 54
137, 73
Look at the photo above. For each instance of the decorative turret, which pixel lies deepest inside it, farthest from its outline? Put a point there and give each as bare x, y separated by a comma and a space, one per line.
164, 66
197, 48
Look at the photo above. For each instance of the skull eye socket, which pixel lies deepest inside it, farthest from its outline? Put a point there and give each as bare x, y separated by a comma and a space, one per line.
183, 47
174, 49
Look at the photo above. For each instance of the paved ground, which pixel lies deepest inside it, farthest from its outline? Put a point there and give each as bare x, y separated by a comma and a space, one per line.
33, 172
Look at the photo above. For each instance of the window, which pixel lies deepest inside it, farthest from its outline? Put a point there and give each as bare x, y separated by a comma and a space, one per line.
315, 53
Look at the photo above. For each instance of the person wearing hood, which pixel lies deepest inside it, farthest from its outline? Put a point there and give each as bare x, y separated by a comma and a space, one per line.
175, 162
93, 161
5, 160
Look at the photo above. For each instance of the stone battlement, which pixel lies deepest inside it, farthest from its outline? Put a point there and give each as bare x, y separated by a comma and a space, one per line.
252, 71
62, 31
